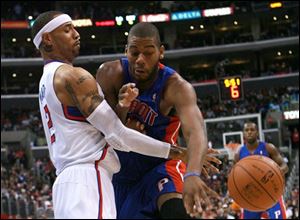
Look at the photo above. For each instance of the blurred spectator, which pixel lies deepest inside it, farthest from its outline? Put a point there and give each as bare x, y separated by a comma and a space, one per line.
295, 138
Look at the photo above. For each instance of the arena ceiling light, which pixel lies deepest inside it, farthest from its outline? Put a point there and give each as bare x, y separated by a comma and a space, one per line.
107, 23
14, 24
82, 22
154, 18
119, 20
130, 19
185, 15
275, 5
217, 12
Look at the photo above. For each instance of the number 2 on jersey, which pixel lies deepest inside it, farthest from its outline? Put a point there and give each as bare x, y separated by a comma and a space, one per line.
50, 124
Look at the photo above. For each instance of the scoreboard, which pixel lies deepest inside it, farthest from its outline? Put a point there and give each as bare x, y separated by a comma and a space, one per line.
231, 88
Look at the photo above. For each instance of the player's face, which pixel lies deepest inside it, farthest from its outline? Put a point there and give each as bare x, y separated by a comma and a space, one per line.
250, 133
66, 41
143, 55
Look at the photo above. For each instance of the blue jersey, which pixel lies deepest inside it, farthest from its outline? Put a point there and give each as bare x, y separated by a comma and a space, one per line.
145, 108
260, 150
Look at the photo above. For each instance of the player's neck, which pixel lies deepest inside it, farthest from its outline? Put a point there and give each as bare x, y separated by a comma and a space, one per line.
144, 85
252, 146
51, 57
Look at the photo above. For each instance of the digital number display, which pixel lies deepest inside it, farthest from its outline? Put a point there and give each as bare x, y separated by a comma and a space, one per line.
230, 88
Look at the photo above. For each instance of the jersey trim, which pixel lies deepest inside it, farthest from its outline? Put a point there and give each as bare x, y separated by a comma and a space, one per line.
73, 113
175, 169
98, 176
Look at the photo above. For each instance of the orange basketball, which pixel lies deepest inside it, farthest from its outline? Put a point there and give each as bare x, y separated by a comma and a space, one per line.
255, 183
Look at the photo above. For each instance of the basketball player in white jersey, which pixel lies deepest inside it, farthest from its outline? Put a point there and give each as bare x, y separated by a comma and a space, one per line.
78, 123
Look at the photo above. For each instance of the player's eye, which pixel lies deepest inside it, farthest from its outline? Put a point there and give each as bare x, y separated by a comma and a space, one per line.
148, 53
135, 54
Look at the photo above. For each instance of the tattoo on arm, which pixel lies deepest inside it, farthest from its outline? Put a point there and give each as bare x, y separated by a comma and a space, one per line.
71, 92
95, 99
89, 94
82, 79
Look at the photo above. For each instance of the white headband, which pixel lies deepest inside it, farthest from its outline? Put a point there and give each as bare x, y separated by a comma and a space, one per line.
50, 26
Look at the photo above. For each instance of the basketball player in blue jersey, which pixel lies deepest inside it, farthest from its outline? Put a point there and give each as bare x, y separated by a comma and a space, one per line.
255, 147
148, 187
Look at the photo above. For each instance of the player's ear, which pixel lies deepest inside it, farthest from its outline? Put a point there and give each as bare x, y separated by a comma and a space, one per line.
46, 38
126, 49
161, 52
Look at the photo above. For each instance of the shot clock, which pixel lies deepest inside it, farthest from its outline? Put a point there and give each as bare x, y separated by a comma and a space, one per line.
230, 88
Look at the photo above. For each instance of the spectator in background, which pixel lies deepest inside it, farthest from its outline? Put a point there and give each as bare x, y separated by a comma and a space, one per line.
295, 138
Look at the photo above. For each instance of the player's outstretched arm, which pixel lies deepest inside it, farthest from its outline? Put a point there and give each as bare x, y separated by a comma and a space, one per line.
275, 155
183, 97
81, 88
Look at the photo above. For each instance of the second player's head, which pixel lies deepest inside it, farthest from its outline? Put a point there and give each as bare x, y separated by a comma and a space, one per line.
250, 132
55, 36
144, 50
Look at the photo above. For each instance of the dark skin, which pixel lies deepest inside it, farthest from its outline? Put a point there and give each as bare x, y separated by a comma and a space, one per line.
250, 133
143, 55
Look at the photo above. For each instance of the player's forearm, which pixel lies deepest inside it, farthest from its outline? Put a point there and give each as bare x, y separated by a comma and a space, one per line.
121, 112
197, 149
284, 168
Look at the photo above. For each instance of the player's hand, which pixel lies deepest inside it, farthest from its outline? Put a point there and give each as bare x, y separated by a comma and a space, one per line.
195, 192
209, 159
135, 125
178, 153
127, 94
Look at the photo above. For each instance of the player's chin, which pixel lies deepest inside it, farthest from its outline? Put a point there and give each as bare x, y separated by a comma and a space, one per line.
76, 52
140, 77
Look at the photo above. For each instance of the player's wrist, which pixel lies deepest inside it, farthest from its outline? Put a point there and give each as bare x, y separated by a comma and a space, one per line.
191, 173
121, 105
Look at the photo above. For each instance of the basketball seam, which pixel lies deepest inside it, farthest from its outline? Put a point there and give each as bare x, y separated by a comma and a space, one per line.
258, 183
271, 168
241, 193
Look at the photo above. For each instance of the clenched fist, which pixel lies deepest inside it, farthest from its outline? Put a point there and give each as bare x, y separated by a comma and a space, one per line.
127, 94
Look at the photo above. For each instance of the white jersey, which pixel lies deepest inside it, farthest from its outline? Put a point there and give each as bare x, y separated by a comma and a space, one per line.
71, 139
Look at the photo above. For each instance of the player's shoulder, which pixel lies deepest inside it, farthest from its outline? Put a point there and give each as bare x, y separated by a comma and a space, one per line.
69, 72
178, 83
270, 147
110, 68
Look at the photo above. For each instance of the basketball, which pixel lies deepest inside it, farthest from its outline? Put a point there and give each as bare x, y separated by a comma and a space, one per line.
255, 183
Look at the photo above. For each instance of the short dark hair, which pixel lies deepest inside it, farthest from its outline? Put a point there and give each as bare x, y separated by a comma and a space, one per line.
251, 122
42, 20
144, 29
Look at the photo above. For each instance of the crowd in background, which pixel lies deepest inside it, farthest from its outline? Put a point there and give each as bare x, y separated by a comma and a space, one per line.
262, 101
26, 191
209, 36
106, 10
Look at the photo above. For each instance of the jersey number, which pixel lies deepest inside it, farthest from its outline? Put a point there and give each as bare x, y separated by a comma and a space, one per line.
50, 124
